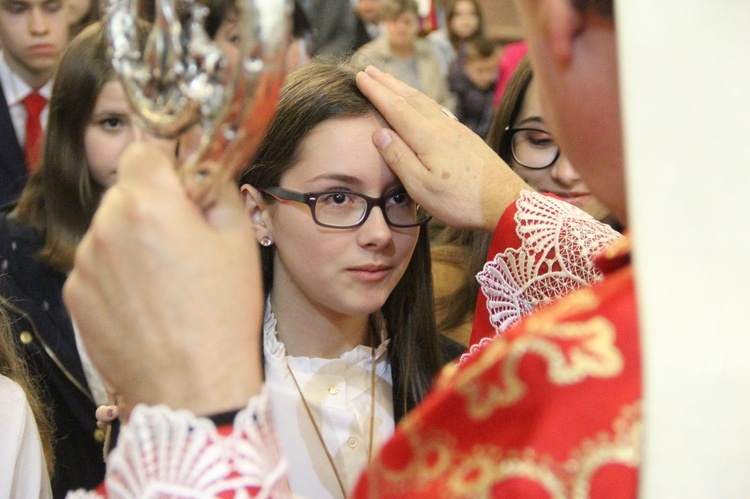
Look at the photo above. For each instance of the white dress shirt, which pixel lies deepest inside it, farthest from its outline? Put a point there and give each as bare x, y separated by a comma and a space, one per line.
15, 90
338, 392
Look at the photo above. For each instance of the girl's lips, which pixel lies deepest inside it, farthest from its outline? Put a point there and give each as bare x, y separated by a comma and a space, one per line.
370, 273
574, 198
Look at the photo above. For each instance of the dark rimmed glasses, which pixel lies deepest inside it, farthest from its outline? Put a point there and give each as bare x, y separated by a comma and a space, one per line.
340, 209
533, 148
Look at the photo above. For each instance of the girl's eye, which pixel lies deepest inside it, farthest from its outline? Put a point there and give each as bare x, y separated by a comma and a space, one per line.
111, 123
399, 198
335, 198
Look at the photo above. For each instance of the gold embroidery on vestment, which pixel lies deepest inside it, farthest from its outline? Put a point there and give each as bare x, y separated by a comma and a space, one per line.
573, 352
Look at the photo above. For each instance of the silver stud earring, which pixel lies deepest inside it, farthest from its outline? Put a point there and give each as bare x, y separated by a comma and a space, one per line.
266, 241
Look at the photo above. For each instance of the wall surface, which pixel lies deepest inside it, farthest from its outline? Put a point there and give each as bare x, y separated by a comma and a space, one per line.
502, 20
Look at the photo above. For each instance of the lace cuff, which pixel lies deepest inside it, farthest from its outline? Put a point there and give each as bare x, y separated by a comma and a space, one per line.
165, 453
558, 244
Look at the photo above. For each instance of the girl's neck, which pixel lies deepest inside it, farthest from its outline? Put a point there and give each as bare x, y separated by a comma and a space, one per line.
309, 331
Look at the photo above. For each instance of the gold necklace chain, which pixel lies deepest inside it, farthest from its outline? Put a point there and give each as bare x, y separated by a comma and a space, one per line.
320, 435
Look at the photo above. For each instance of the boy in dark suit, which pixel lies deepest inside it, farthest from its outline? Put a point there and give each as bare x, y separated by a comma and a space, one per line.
33, 35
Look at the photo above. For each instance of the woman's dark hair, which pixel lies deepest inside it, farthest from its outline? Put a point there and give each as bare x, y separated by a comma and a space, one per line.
498, 137
60, 199
454, 39
316, 93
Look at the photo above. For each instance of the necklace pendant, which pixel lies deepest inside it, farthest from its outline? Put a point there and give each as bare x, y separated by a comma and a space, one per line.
333, 389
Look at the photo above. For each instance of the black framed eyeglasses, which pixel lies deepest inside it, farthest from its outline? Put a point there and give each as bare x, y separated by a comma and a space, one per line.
345, 209
533, 148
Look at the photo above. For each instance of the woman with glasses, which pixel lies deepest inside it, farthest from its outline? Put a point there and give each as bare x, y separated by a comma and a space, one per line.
521, 138
349, 338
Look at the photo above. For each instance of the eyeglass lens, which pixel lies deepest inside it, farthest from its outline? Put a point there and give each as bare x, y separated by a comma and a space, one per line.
534, 148
347, 209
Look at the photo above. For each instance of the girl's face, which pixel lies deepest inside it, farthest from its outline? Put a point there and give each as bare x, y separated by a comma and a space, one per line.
560, 178
465, 20
110, 130
340, 272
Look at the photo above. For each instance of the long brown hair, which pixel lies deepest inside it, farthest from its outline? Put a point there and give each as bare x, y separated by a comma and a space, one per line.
60, 199
316, 93
13, 367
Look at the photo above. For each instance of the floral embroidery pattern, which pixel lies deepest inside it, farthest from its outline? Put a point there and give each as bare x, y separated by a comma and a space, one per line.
558, 245
165, 453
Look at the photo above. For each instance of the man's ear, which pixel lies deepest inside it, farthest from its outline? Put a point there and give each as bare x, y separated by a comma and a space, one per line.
257, 210
562, 24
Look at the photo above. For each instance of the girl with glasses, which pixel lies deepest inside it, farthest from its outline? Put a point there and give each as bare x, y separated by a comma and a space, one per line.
349, 338
522, 139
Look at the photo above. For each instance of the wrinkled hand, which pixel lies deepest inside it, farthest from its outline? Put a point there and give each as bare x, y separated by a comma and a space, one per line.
167, 297
446, 167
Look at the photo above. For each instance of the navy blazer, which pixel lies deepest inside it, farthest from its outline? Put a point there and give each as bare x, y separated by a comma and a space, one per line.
13, 171
42, 327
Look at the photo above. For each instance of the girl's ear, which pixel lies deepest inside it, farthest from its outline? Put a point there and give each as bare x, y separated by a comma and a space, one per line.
257, 210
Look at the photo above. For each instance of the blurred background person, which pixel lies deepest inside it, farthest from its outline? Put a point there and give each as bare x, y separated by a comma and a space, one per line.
472, 79
401, 53
464, 23
367, 16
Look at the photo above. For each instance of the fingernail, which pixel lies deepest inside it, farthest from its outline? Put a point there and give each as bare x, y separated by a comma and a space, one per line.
382, 139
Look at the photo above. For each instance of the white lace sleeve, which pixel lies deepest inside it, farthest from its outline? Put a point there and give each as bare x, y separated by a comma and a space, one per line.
558, 245
165, 453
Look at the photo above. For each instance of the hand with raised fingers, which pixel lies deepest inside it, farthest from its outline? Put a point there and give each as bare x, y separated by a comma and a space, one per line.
167, 295
446, 167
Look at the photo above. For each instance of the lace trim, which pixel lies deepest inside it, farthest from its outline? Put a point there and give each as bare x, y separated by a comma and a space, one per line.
558, 245
165, 453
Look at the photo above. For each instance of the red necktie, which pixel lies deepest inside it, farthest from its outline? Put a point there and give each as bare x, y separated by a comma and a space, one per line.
32, 148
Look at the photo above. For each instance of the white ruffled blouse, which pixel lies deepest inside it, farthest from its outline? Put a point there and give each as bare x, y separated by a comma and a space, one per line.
338, 392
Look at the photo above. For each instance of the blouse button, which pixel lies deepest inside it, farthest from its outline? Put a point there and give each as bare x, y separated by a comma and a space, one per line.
45, 305
13, 246
99, 435
333, 389
4, 265
352, 442
26, 337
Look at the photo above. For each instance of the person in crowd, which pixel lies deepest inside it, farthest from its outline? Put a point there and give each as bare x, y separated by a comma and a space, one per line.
367, 27
464, 23
90, 124
472, 79
33, 35
350, 346
25, 426
331, 27
552, 406
400, 52
520, 136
